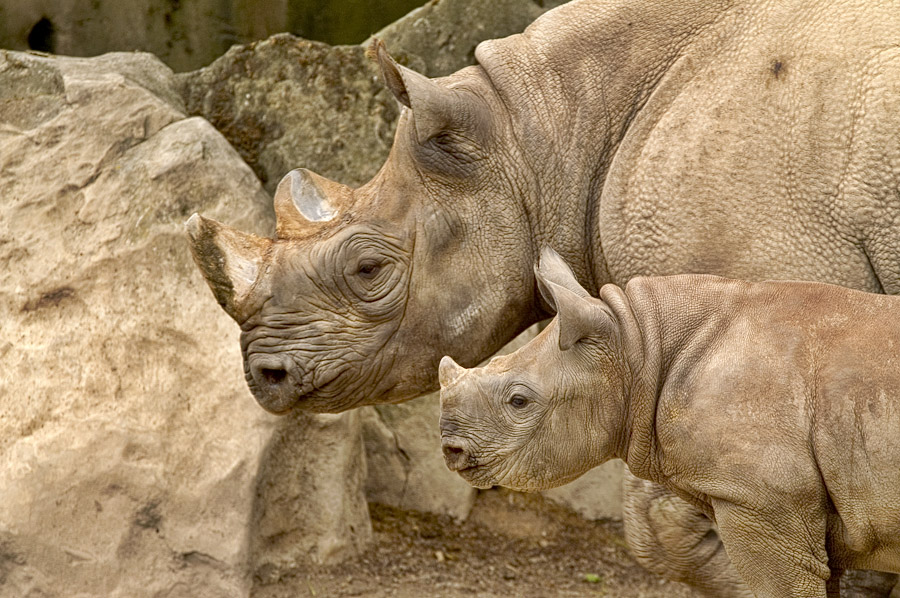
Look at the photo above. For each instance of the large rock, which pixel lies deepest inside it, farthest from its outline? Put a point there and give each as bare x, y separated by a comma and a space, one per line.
288, 102
130, 448
444, 33
595, 495
403, 448
311, 508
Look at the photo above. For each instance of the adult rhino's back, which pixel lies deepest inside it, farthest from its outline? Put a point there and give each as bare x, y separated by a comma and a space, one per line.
770, 149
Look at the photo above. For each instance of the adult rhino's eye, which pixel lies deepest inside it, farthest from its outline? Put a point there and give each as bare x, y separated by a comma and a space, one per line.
518, 402
368, 269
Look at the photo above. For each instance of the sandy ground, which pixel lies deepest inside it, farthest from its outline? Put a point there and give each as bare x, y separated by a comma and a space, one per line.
512, 545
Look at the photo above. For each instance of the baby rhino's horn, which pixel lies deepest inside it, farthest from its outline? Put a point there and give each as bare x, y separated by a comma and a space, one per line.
449, 371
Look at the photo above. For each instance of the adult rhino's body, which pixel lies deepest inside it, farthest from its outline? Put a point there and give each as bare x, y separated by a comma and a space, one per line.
747, 139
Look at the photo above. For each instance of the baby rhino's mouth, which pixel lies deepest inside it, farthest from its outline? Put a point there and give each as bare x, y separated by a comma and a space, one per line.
460, 457
457, 453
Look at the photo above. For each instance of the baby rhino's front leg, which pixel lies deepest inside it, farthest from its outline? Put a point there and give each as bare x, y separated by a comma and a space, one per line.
778, 549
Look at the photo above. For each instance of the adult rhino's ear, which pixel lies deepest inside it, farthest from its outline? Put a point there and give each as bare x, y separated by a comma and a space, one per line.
435, 108
552, 268
304, 198
397, 78
229, 260
449, 371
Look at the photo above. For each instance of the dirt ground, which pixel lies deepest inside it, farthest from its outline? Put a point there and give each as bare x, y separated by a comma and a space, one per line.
512, 545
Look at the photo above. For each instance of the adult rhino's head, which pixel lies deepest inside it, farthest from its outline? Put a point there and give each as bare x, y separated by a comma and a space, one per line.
363, 290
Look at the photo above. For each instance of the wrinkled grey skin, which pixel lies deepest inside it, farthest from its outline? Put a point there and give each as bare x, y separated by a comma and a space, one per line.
773, 407
748, 139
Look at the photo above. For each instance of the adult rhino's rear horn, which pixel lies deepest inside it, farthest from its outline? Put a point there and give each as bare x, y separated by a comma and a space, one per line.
229, 260
303, 199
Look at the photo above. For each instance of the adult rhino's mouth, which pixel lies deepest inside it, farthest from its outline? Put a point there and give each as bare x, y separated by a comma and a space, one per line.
277, 396
278, 391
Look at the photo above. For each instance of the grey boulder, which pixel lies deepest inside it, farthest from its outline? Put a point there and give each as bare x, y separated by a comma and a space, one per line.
287, 102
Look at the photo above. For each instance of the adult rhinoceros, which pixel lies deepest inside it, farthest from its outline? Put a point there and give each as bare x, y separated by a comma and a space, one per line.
743, 138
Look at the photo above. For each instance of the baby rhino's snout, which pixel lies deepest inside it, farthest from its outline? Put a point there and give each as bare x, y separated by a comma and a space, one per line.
456, 454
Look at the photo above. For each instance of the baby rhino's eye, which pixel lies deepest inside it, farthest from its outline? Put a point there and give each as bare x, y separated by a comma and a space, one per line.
518, 402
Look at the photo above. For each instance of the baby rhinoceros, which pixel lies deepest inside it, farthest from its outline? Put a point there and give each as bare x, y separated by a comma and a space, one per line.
774, 407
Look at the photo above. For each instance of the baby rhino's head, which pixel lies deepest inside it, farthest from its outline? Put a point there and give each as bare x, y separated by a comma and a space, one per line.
546, 414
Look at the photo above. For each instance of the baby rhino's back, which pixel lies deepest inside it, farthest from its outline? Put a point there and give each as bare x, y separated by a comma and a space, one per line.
856, 425
842, 347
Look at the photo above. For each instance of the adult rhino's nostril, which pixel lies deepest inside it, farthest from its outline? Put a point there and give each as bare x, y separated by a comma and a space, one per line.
273, 376
274, 382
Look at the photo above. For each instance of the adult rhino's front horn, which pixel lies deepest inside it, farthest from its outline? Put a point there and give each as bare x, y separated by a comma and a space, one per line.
230, 261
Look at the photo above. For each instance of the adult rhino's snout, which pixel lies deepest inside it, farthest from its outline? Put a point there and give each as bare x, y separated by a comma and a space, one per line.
274, 383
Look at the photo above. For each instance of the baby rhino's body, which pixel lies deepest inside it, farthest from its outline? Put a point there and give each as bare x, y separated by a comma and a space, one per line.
773, 406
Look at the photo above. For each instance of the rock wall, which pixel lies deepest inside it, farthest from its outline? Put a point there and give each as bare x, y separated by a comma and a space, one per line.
130, 448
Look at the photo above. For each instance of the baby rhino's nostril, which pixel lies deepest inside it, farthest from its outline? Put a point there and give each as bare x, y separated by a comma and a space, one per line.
455, 455
273, 376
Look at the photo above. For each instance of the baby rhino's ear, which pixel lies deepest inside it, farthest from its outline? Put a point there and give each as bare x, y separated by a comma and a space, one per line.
579, 317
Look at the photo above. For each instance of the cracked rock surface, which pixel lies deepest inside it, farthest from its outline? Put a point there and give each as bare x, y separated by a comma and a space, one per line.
288, 102
444, 33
